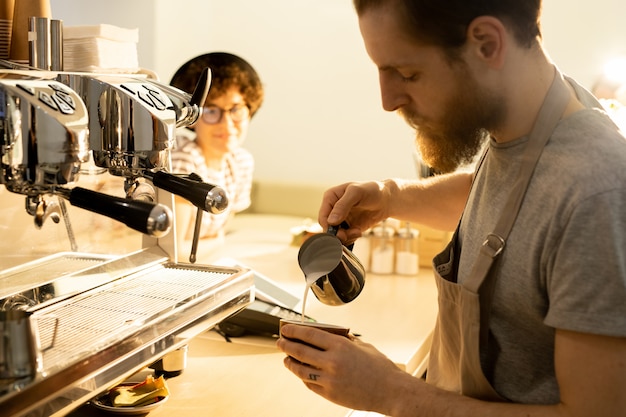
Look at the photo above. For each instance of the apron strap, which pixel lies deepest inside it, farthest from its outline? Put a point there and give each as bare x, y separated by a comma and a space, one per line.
549, 116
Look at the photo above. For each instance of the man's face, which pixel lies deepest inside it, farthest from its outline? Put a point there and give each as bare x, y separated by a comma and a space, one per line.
440, 98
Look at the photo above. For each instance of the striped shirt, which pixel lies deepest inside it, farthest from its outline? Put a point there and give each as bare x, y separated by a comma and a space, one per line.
234, 176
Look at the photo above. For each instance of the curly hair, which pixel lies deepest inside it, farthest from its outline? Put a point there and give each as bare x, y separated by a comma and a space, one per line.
227, 70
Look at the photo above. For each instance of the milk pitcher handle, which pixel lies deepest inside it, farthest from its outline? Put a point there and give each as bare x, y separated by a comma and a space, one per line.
334, 229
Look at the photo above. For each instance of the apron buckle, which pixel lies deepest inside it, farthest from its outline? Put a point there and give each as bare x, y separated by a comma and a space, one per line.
493, 245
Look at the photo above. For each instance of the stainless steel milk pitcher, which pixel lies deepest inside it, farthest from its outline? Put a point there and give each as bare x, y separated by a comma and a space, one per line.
333, 272
20, 347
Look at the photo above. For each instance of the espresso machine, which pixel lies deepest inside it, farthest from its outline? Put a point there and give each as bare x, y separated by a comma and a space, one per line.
101, 317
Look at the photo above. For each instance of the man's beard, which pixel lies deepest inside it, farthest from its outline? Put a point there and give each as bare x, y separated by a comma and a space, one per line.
456, 139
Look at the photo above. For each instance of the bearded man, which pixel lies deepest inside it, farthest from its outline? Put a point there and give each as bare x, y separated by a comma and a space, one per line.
532, 287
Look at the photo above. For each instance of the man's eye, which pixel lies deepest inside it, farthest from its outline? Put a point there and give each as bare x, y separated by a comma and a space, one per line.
407, 78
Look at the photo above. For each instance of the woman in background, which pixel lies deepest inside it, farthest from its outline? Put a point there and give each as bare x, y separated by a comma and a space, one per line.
213, 147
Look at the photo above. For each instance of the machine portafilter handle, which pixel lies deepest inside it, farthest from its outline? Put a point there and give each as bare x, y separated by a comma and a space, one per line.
207, 197
148, 218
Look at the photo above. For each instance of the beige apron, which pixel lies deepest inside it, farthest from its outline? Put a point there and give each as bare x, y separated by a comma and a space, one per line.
463, 322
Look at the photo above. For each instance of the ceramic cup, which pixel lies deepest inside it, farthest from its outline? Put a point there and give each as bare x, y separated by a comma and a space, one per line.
331, 328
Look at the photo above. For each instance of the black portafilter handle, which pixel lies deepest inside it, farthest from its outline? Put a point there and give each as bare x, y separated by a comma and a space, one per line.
148, 218
205, 196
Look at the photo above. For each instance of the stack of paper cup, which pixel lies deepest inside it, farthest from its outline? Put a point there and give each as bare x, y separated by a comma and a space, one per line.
6, 26
23, 11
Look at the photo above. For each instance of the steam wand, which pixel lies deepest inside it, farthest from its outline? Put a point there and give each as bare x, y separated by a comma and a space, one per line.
68, 225
41, 210
196, 236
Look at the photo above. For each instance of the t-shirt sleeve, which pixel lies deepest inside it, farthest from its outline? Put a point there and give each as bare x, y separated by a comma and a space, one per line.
587, 283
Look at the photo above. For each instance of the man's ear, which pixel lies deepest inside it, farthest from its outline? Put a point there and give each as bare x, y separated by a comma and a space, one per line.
489, 39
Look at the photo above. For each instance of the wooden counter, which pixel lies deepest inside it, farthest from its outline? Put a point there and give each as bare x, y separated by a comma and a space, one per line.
247, 377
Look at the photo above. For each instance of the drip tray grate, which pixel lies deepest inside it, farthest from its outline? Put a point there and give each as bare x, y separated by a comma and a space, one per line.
138, 308
109, 314
45, 270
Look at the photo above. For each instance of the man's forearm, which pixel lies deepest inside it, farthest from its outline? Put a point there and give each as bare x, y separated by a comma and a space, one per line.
436, 202
414, 397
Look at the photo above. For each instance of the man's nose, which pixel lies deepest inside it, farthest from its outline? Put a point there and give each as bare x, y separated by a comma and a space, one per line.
392, 93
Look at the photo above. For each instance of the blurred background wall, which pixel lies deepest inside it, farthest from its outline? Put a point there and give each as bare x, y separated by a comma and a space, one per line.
322, 120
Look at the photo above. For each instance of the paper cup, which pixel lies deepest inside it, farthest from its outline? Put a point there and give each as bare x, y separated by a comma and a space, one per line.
6, 26
23, 11
6, 9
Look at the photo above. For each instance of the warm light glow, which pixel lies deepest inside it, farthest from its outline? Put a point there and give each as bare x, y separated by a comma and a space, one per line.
617, 112
615, 70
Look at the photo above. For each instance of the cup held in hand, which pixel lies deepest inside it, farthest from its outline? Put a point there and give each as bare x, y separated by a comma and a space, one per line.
331, 328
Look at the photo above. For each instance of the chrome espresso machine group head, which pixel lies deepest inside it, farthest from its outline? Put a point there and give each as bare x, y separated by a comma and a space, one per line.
44, 141
52, 120
132, 131
43, 134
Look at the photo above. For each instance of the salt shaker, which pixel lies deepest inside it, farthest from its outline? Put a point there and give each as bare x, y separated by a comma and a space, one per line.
407, 251
382, 250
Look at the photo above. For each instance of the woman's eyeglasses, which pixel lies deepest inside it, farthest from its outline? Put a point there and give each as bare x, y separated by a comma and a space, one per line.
213, 114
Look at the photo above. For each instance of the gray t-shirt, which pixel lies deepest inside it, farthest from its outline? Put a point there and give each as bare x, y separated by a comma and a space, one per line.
564, 264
